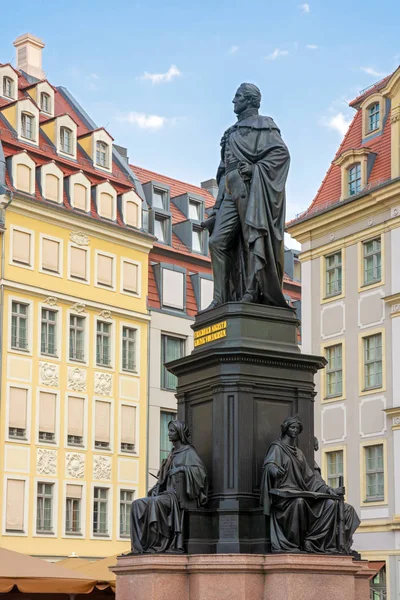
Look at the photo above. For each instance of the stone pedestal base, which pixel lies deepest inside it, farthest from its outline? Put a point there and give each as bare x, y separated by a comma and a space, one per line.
241, 577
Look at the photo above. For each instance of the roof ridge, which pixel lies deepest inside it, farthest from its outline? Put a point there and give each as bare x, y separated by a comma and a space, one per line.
168, 177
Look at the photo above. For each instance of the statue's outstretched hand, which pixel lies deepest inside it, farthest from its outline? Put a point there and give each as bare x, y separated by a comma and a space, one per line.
246, 170
340, 491
209, 223
277, 472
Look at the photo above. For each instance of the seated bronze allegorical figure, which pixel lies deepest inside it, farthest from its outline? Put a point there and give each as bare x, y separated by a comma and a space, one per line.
157, 521
306, 515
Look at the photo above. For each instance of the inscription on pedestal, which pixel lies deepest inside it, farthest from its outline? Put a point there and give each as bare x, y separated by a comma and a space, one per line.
228, 527
210, 334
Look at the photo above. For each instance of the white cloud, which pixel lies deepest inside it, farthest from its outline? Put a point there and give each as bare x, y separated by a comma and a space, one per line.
305, 7
372, 71
145, 121
93, 76
172, 72
277, 53
312, 47
233, 49
339, 122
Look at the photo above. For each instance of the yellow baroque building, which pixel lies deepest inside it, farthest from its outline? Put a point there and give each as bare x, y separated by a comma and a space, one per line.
73, 324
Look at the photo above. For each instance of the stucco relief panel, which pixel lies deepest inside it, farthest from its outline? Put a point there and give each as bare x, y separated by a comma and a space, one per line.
371, 309
333, 320
333, 423
75, 465
77, 379
101, 467
372, 416
46, 462
48, 373
103, 383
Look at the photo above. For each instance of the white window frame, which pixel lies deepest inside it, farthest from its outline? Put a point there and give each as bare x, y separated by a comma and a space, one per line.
120, 488
60, 273
11, 262
85, 397
130, 261
26, 531
109, 487
136, 405
109, 450
56, 443
113, 332
29, 303
28, 106
54, 533
8, 71
46, 110
73, 361
7, 438
82, 533
71, 277
113, 287
45, 87
101, 135
28, 117
138, 329
58, 310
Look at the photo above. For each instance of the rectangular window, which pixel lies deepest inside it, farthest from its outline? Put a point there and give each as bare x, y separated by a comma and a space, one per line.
47, 417
334, 373
373, 361
48, 332
50, 255
78, 259
105, 265
173, 289
159, 199
333, 274
160, 229
197, 241
373, 117
76, 417
19, 326
73, 509
334, 464
27, 126
128, 349
15, 501
130, 273
372, 261
165, 444
102, 425
18, 403
375, 477
100, 511
44, 509
128, 428
76, 338
125, 501
194, 210
21, 247
103, 344
171, 349
354, 179
66, 140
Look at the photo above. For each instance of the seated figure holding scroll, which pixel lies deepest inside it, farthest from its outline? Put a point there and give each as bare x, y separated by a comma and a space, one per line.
157, 521
306, 515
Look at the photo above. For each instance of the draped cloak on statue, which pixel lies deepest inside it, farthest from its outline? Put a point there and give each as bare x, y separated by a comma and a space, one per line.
256, 140
157, 521
302, 520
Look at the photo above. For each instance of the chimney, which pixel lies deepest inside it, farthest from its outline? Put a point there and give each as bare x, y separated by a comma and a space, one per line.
29, 55
211, 186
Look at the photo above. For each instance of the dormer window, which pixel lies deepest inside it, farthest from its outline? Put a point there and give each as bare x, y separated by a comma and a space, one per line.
66, 140
102, 154
27, 126
194, 210
197, 241
160, 225
159, 198
8, 87
45, 102
373, 117
354, 179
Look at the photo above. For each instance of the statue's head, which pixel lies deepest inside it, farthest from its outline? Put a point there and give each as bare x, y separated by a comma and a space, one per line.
316, 444
247, 96
178, 430
292, 427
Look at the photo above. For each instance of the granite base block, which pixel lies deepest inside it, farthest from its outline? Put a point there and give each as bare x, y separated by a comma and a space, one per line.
241, 577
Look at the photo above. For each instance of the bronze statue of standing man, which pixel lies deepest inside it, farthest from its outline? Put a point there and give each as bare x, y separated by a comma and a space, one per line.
247, 223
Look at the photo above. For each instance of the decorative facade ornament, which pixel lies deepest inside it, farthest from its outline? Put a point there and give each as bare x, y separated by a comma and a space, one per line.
331, 237
79, 307
395, 212
396, 421
105, 314
51, 301
48, 373
103, 384
395, 116
395, 308
101, 467
46, 461
80, 239
75, 465
76, 379
370, 222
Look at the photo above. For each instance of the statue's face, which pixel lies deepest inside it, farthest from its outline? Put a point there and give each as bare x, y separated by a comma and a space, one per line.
172, 434
293, 430
240, 102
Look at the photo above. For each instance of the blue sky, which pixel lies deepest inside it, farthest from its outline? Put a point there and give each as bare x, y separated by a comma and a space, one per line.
160, 75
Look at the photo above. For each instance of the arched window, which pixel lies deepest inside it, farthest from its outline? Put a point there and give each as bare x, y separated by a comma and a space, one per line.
102, 154
24, 174
8, 87
66, 140
52, 187
27, 126
354, 179
131, 214
373, 117
45, 102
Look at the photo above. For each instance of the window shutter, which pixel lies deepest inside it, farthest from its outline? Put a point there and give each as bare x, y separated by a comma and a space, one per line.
18, 405
22, 247
128, 424
173, 286
52, 187
75, 415
104, 269
24, 178
74, 491
80, 196
102, 423
47, 412
15, 505
78, 262
130, 277
106, 205
50, 255
132, 212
